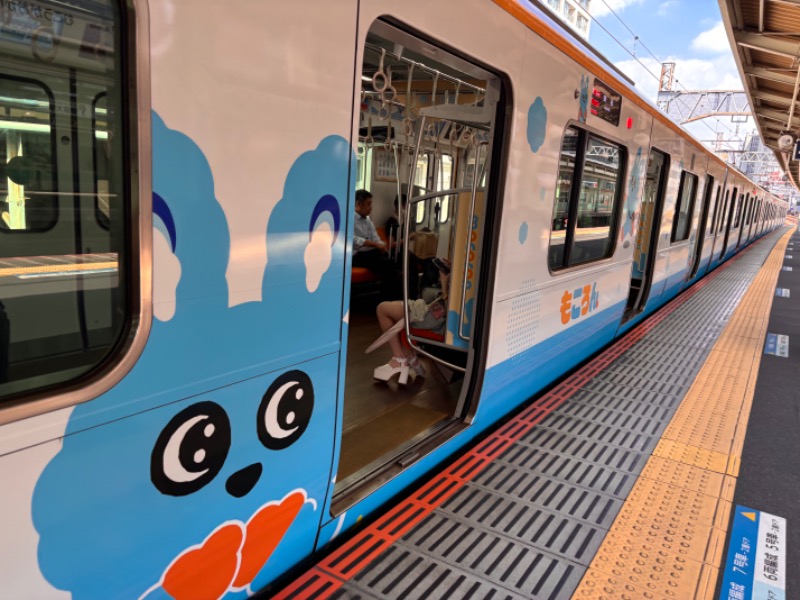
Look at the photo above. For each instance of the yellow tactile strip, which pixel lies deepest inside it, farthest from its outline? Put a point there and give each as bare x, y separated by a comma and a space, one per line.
64, 268
668, 540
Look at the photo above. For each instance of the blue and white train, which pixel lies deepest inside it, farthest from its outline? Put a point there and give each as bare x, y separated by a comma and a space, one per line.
186, 406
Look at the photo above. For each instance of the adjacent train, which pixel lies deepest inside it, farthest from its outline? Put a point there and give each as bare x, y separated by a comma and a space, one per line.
187, 404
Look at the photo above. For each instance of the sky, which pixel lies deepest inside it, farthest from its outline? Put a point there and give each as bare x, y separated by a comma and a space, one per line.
689, 33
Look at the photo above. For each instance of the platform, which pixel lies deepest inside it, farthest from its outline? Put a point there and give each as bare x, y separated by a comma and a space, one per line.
617, 483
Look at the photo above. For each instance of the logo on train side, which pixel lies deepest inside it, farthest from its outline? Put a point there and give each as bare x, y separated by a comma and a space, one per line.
579, 302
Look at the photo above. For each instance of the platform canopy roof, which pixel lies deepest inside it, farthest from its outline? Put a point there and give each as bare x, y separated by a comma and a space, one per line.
765, 37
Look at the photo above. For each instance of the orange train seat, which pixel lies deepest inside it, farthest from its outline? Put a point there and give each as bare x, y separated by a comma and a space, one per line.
362, 275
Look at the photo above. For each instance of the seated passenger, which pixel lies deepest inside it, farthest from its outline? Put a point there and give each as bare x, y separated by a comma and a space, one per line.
424, 315
369, 251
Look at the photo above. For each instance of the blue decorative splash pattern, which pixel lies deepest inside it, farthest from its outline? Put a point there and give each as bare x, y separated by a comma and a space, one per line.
103, 524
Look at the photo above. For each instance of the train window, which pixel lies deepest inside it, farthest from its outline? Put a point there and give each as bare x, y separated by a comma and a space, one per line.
684, 207
444, 181
587, 191
364, 166
27, 199
102, 151
65, 215
723, 212
566, 172
738, 211
421, 181
713, 221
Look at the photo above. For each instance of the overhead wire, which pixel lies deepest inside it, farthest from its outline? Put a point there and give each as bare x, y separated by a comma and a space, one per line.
633, 54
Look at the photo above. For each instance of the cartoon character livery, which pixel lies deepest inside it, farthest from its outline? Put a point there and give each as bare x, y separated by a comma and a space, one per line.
222, 488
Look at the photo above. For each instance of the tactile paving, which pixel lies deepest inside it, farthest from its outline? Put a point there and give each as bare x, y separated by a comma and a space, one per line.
668, 539
615, 484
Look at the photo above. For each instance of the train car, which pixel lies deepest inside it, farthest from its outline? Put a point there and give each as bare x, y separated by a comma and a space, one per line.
194, 394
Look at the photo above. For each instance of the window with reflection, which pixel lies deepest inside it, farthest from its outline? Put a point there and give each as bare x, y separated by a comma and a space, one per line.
684, 207
444, 181
596, 207
566, 172
28, 202
65, 209
587, 196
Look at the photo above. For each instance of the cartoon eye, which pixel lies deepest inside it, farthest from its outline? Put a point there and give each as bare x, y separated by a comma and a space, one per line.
191, 449
285, 410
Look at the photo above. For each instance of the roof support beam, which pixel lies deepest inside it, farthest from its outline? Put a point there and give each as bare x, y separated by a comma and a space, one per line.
770, 97
777, 115
770, 75
766, 44
761, 15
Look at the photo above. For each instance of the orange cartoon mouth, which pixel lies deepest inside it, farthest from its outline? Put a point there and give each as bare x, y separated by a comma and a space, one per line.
232, 555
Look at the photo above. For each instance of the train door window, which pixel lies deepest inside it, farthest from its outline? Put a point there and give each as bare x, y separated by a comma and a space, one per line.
712, 223
595, 168
444, 181
561, 204
723, 212
729, 222
421, 181
703, 226
738, 211
413, 386
646, 242
363, 166
66, 211
684, 207
28, 200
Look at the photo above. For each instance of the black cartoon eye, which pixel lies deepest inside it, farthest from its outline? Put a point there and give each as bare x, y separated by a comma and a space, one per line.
285, 410
191, 449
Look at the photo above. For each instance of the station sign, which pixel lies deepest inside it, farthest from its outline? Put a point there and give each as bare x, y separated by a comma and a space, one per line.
756, 565
777, 345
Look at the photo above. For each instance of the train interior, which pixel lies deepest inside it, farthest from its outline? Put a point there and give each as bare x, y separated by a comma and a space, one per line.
62, 230
425, 137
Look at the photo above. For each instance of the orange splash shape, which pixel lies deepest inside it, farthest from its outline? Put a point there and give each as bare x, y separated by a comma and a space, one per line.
265, 530
205, 572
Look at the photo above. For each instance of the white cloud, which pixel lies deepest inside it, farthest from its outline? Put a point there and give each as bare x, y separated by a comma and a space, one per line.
712, 41
717, 73
318, 255
666, 7
600, 8
166, 276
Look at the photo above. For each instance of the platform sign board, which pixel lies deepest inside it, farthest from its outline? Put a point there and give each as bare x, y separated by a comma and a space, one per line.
756, 565
782, 292
777, 345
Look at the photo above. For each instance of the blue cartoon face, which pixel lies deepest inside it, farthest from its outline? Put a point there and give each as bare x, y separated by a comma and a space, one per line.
199, 474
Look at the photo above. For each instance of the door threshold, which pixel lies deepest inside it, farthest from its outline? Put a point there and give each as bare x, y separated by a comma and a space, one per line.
364, 482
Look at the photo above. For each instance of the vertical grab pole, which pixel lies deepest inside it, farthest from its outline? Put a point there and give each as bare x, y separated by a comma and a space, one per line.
406, 224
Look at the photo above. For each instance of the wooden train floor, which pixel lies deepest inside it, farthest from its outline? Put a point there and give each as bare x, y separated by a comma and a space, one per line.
617, 483
381, 419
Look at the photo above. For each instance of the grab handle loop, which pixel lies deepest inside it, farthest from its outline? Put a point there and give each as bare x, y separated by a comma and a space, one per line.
379, 80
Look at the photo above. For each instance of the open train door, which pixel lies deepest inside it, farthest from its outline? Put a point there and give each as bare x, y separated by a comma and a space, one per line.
433, 122
646, 243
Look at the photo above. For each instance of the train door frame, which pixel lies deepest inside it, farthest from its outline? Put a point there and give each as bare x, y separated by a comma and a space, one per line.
729, 224
478, 348
639, 303
743, 220
708, 198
